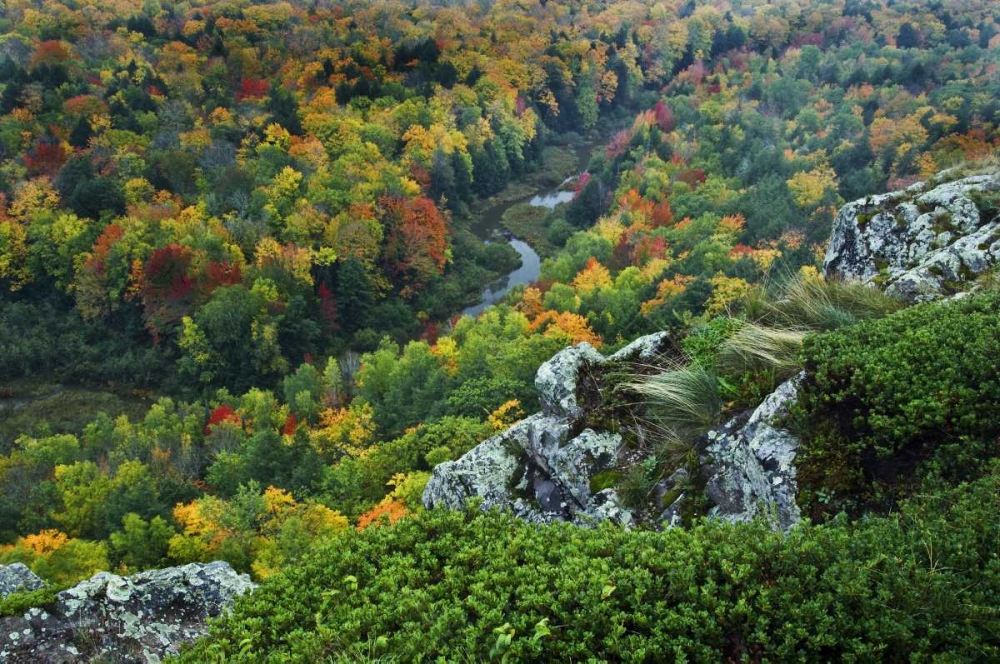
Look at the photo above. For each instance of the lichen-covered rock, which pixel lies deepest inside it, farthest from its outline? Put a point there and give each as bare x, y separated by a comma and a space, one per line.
644, 349
556, 380
536, 468
542, 468
17, 578
749, 469
139, 618
921, 243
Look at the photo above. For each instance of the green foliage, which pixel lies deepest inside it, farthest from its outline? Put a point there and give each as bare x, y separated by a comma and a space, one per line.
483, 587
884, 396
141, 544
17, 603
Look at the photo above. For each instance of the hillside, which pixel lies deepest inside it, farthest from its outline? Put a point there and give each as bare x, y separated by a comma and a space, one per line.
283, 284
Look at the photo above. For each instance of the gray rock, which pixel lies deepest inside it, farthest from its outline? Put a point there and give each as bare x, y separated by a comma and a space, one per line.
139, 618
536, 468
749, 469
17, 578
556, 380
644, 349
920, 243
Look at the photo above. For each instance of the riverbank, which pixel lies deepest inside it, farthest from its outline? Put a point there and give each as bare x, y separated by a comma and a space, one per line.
518, 214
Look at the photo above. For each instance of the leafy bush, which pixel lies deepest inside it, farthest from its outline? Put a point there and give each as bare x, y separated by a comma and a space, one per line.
473, 587
885, 396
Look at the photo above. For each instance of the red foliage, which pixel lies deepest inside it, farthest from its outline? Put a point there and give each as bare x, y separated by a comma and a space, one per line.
252, 88
328, 307
664, 116
662, 214
421, 175
417, 244
102, 247
618, 144
49, 52
648, 249
219, 273
520, 106
692, 177
581, 182
430, 332
621, 257
46, 158
290, 425
166, 286
223, 413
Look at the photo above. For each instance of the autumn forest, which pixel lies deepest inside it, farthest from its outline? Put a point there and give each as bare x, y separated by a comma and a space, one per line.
237, 237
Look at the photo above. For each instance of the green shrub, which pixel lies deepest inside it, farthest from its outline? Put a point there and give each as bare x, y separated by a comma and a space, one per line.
886, 396
462, 586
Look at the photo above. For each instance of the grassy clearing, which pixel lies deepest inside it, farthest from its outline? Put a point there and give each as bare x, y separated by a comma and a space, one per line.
758, 348
37, 408
684, 400
528, 222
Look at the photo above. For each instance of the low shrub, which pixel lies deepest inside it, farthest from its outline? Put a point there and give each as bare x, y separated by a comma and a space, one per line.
884, 398
463, 586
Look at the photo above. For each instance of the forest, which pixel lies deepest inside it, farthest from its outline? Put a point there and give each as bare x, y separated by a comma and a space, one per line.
236, 239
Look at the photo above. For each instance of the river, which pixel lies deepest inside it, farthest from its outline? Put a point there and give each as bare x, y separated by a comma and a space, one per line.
488, 227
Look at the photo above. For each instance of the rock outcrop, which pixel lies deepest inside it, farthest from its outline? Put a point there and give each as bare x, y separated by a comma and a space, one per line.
139, 618
17, 578
750, 464
925, 242
922, 243
542, 467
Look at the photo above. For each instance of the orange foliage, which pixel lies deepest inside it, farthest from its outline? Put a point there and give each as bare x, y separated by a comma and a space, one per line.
389, 509
45, 542
574, 328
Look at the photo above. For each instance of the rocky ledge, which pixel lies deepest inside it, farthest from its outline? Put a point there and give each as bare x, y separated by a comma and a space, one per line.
928, 241
548, 467
138, 618
922, 243
17, 578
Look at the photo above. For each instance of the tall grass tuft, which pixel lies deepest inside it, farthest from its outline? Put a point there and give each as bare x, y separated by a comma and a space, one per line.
759, 348
684, 400
829, 304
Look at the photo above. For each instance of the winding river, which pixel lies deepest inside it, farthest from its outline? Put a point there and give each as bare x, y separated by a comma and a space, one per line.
488, 228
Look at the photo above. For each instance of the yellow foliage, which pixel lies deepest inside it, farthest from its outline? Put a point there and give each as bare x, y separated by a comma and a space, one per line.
277, 500
345, 430
531, 302
809, 187
593, 277
665, 290
506, 415
190, 518
654, 268
567, 326
725, 291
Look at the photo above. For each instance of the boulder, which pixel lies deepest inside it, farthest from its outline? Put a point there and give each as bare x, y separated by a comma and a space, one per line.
139, 618
537, 468
17, 578
556, 380
749, 466
542, 467
925, 242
